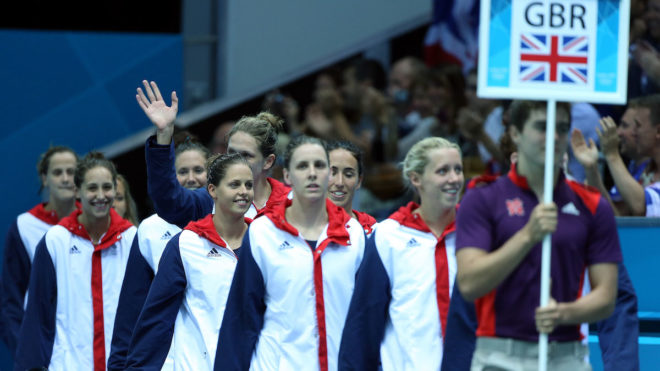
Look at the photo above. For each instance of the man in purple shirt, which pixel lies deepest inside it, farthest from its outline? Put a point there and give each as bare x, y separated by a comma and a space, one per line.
500, 228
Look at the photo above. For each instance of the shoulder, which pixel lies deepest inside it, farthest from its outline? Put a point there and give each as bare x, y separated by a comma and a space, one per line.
590, 196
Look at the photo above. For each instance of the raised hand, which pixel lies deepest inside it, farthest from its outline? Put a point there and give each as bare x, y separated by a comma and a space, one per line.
157, 110
586, 154
609, 139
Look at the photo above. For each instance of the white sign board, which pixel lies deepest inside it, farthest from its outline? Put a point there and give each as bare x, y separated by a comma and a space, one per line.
567, 50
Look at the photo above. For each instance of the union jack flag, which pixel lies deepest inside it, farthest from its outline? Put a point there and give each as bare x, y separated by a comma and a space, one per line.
553, 58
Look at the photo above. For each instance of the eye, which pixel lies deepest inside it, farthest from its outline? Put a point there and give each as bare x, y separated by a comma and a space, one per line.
349, 173
248, 185
107, 187
443, 170
199, 170
57, 172
301, 165
70, 171
320, 164
183, 171
458, 169
334, 170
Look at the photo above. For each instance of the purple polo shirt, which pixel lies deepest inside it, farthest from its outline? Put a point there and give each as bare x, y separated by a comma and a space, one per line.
586, 234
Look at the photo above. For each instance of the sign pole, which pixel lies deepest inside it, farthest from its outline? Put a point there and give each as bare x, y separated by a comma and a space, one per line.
548, 188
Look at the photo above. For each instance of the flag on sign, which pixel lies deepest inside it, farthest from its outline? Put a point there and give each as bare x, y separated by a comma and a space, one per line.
554, 58
453, 34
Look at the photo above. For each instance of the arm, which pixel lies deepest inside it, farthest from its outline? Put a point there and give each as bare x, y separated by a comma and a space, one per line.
172, 202
15, 277
153, 332
244, 314
587, 155
37, 333
460, 339
631, 191
596, 305
134, 290
480, 271
367, 314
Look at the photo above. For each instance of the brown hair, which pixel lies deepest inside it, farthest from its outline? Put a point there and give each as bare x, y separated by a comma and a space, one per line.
263, 127
44, 160
131, 206
91, 160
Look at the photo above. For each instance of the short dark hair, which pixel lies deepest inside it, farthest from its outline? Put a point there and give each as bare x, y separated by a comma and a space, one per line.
91, 160
217, 166
520, 110
299, 141
652, 102
44, 160
351, 148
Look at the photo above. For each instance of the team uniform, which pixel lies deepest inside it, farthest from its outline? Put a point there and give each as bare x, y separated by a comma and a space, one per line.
73, 296
288, 301
20, 245
367, 221
148, 245
178, 205
186, 302
586, 234
398, 312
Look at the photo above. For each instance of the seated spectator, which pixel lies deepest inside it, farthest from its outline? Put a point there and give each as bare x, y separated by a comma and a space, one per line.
642, 197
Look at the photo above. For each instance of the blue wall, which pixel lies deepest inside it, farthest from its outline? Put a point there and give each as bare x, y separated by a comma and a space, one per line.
75, 89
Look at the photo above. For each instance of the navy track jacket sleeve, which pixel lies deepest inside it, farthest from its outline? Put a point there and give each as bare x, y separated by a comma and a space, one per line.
618, 334
367, 314
172, 202
153, 332
244, 314
134, 290
37, 334
461, 333
15, 277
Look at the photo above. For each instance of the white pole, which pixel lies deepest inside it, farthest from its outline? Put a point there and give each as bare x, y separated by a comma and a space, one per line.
548, 187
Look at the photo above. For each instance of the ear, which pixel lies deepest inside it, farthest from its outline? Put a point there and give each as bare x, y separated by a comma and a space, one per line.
359, 184
285, 175
269, 161
514, 133
211, 189
415, 179
43, 178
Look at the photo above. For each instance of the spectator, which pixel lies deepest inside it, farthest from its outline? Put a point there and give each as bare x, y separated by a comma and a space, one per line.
641, 197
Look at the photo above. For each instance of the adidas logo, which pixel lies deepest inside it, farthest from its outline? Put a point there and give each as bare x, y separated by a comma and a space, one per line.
570, 208
74, 250
413, 242
213, 253
285, 245
166, 236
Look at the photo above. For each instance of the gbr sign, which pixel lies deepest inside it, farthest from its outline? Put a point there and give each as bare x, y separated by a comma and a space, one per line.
568, 50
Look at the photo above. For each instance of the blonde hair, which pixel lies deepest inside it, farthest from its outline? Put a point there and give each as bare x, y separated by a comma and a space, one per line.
417, 157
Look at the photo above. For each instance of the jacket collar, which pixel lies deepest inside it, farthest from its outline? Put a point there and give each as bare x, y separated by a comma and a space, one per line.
406, 217
114, 233
205, 228
337, 221
45, 216
521, 181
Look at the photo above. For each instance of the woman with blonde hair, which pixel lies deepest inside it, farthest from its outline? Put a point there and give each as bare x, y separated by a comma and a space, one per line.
397, 317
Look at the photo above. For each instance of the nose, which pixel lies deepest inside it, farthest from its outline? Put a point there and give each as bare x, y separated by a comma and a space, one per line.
312, 172
66, 177
190, 178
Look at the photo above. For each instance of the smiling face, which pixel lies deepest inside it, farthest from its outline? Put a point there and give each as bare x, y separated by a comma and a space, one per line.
97, 193
344, 178
191, 169
308, 172
59, 176
442, 180
234, 193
